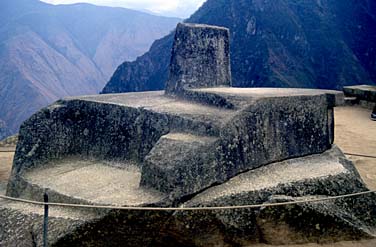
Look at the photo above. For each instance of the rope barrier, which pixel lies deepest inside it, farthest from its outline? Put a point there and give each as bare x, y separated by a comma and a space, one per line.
182, 208
352, 154
361, 155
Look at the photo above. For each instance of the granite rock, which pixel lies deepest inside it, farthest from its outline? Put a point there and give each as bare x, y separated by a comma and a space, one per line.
200, 58
311, 177
22, 224
361, 92
192, 146
256, 132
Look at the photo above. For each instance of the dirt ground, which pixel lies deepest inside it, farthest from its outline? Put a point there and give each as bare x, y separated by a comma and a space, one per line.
5, 164
7, 148
354, 133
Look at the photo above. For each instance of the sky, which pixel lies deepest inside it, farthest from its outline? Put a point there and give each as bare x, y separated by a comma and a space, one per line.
176, 8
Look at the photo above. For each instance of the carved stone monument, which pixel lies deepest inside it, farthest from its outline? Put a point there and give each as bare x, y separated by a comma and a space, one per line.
200, 58
200, 143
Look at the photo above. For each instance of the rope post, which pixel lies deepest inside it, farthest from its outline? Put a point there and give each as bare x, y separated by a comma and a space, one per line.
45, 221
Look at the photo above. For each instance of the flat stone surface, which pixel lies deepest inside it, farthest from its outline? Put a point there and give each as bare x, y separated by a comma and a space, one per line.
276, 174
363, 87
362, 92
157, 101
204, 26
247, 94
160, 103
98, 182
266, 92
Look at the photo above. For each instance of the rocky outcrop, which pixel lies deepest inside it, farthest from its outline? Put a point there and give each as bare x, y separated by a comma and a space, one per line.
48, 52
211, 146
284, 43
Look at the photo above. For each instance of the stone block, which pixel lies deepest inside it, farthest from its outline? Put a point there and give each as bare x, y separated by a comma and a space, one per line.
311, 177
200, 143
180, 164
200, 58
361, 92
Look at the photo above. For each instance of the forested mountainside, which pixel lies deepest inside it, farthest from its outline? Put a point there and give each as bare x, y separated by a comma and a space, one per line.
280, 43
48, 52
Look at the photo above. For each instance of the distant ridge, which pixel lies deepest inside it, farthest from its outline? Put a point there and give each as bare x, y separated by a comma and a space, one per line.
48, 52
281, 43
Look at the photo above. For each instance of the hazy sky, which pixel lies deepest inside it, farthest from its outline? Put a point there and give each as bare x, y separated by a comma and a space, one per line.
180, 8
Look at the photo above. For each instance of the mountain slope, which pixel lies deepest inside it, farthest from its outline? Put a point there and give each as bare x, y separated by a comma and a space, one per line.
282, 43
48, 52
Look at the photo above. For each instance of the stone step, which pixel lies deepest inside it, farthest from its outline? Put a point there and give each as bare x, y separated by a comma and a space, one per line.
350, 101
74, 180
242, 96
203, 119
301, 176
180, 164
311, 177
361, 92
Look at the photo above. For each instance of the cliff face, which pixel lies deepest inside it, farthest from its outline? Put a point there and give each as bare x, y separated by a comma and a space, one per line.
48, 52
281, 43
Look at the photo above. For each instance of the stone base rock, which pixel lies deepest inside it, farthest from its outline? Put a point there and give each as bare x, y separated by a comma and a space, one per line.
196, 145
361, 92
22, 224
312, 177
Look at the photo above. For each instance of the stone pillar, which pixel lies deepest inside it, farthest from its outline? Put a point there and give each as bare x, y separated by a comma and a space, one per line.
200, 58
